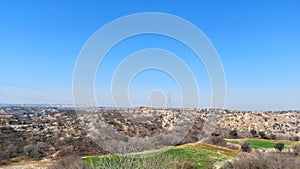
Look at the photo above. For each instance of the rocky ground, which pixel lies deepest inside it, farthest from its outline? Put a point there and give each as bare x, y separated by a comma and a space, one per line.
276, 125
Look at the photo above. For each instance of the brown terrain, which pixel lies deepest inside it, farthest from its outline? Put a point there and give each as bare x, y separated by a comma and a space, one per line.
48, 132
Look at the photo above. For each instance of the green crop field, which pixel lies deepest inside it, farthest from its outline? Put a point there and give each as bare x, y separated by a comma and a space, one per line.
261, 143
199, 155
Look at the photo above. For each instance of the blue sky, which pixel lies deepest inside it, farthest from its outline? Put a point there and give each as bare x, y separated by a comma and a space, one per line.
258, 43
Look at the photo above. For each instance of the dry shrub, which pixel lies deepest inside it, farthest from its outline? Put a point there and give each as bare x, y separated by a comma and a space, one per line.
35, 151
216, 140
70, 161
245, 147
184, 164
296, 149
3, 157
295, 138
32, 151
260, 160
232, 146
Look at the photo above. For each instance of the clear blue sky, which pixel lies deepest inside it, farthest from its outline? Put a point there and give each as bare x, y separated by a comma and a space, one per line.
258, 43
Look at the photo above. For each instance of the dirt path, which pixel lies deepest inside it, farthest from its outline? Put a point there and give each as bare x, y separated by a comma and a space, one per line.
43, 164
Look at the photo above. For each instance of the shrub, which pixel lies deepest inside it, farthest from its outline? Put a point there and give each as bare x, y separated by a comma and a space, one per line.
70, 161
3, 156
273, 137
42, 147
296, 149
253, 132
35, 151
185, 165
215, 134
245, 161
279, 146
263, 135
295, 138
216, 140
261, 160
245, 147
232, 146
233, 133
11, 150
32, 151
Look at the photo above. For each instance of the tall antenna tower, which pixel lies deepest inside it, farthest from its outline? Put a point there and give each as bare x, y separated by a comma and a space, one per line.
169, 101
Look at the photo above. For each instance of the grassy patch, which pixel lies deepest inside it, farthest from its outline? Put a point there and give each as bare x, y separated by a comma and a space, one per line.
200, 155
261, 143
92, 160
132, 161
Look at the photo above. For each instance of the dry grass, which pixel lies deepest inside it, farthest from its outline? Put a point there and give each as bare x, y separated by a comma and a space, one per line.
217, 149
264, 160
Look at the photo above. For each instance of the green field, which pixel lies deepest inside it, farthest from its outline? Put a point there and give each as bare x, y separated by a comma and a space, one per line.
199, 155
261, 143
